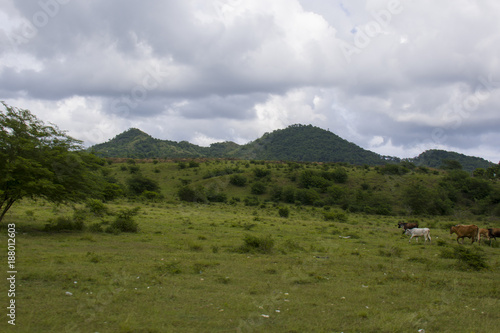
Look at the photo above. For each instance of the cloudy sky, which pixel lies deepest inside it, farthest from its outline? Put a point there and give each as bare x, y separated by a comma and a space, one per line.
397, 77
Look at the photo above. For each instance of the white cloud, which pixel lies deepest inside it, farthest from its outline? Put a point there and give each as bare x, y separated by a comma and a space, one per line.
233, 69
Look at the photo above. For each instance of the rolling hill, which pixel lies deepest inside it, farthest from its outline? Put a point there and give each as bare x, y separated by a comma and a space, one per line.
300, 143
434, 159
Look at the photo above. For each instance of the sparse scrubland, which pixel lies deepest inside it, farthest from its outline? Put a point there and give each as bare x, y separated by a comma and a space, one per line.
250, 246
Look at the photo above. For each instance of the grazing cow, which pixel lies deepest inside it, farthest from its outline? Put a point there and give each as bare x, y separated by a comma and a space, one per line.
494, 233
418, 232
482, 233
462, 231
405, 226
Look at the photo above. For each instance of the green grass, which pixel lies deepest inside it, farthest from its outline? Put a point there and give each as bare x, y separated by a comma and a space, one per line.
167, 278
234, 268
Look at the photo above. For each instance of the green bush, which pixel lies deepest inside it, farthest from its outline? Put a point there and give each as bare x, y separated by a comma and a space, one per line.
63, 223
261, 173
138, 184
96, 207
125, 224
124, 221
288, 194
238, 180
187, 193
335, 215
151, 196
95, 227
251, 201
468, 258
284, 212
258, 188
256, 244
111, 191
307, 196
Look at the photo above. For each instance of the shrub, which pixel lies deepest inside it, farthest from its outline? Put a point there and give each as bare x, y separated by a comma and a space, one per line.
238, 180
111, 191
125, 224
307, 196
152, 196
263, 245
194, 164
187, 193
258, 188
63, 223
217, 197
335, 215
251, 201
138, 184
95, 227
288, 194
124, 221
468, 258
340, 175
261, 173
284, 212
96, 207
133, 169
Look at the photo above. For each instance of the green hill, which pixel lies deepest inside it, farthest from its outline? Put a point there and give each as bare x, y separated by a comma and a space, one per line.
299, 143
434, 158
306, 143
134, 143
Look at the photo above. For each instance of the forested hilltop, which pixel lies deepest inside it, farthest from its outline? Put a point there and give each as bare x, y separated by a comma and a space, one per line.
435, 158
298, 143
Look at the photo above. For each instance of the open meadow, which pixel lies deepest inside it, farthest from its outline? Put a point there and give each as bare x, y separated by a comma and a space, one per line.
245, 264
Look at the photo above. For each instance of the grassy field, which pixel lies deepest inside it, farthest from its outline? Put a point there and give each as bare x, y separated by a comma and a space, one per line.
223, 267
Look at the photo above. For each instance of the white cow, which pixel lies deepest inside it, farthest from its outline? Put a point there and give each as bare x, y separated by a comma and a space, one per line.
417, 232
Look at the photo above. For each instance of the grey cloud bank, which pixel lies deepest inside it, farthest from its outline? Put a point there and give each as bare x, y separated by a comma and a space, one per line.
395, 77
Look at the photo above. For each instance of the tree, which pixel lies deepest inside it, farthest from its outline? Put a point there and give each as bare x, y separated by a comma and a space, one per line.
417, 196
38, 160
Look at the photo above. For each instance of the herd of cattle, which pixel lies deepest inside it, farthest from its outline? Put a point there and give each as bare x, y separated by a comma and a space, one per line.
470, 231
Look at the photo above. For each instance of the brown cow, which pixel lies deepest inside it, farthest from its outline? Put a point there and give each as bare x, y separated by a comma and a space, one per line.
482, 233
494, 233
408, 225
469, 231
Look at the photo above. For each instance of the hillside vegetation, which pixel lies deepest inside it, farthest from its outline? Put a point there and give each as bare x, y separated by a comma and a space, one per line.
213, 245
299, 143
394, 189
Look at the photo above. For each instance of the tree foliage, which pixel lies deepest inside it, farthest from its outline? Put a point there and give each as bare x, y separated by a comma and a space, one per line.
39, 160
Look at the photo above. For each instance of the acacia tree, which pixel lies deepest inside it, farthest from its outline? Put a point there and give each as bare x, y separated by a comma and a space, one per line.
39, 160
